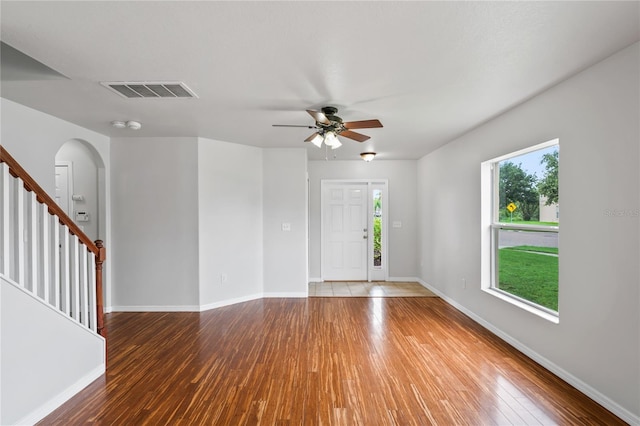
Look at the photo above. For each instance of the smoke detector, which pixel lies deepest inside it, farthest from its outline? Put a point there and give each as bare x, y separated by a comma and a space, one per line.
133, 125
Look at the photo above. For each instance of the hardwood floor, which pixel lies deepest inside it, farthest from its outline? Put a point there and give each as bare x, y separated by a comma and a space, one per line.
355, 361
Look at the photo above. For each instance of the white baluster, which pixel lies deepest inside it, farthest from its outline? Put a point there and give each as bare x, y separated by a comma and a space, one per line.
75, 277
84, 286
45, 219
33, 242
6, 224
20, 233
91, 258
56, 262
65, 276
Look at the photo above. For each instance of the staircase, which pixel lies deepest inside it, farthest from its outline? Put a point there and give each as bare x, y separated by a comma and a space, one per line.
53, 334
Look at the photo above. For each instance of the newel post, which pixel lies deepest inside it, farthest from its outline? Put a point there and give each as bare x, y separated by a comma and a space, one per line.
100, 257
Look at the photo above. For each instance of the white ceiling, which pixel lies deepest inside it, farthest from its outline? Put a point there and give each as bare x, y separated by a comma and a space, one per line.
430, 71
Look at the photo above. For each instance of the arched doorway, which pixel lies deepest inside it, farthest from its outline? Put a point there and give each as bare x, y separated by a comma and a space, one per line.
80, 186
86, 193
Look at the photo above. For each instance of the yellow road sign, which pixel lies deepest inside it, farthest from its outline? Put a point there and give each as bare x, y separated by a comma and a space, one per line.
511, 207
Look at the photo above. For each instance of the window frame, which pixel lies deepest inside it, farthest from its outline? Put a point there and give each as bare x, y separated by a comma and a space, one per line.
491, 226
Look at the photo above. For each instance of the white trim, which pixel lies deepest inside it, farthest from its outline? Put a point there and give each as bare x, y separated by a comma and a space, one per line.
156, 308
228, 302
55, 402
526, 150
208, 306
514, 300
315, 280
70, 204
586, 389
519, 227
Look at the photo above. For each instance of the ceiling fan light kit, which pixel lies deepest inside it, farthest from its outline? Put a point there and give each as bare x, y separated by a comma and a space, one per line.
329, 126
317, 140
330, 139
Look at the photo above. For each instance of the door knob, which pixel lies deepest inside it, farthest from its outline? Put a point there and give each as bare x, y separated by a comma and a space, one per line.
364, 237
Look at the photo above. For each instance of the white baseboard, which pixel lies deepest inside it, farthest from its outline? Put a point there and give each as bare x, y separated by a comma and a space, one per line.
55, 402
398, 279
207, 306
156, 308
228, 302
586, 389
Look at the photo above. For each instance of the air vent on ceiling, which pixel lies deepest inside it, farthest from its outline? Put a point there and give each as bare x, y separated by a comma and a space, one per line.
174, 89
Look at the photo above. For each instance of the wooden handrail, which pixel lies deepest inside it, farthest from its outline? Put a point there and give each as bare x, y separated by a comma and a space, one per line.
96, 248
30, 185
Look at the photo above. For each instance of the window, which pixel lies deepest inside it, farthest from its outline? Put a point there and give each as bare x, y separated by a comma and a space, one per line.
520, 228
377, 228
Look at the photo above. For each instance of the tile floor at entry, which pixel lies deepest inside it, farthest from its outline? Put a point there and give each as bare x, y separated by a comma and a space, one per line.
368, 289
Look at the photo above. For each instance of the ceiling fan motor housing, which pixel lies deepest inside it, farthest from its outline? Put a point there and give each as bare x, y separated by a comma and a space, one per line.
329, 125
329, 110
335, 124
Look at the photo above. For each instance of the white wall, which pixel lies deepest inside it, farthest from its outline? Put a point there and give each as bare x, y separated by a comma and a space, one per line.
230, 210
402, 207
595, 114
46, 357
155, 223
285, 201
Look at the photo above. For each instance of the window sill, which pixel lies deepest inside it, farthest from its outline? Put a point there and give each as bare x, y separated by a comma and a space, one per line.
532, 309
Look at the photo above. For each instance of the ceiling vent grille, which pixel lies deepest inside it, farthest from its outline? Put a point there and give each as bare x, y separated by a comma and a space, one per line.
138, 90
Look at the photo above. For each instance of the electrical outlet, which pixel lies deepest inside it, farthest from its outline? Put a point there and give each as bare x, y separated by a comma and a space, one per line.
464, 283
223, 278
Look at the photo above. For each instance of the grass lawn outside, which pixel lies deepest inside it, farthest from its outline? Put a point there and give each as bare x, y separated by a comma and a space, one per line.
531, 276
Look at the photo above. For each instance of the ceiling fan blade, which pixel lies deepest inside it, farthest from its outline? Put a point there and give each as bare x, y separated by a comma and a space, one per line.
353, 135
311, 137
363, 124
294, 125
319, 117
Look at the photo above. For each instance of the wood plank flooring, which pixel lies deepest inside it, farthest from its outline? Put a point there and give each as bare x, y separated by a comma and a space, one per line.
321, 361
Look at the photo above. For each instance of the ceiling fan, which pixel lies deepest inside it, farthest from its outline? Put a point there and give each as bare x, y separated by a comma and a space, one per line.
329, 126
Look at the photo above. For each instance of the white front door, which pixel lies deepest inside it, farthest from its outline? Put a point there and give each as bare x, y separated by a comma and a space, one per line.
345, 232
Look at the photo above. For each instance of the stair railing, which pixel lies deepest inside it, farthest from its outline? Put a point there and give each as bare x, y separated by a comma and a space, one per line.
45, 252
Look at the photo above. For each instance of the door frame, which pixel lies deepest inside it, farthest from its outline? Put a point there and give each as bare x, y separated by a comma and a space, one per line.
68, 209
372, 274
